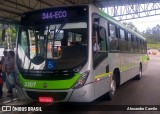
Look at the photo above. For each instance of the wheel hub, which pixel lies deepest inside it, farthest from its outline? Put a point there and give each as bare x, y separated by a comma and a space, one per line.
113, 87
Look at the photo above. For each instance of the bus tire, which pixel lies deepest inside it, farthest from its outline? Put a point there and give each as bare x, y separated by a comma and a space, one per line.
112, 87
139, 76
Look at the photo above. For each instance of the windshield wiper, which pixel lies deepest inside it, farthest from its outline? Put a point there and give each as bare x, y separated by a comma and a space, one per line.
59, 29
56, 34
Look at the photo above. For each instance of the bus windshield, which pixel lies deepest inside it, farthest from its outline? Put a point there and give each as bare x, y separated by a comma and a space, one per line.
59, 46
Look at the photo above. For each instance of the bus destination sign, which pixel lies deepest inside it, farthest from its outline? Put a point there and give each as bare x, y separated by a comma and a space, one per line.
54, 15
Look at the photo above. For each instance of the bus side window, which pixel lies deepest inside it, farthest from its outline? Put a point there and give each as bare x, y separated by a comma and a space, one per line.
113, 40
99, 41
143, 46
135, 44
130, 43
102, 37
122, 41
140, 46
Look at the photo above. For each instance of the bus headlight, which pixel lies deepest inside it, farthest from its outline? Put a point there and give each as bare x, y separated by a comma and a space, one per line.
81, 81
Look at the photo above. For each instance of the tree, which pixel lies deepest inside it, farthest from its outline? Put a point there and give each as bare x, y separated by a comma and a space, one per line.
131, 26
11, 35
152, 34
148, 30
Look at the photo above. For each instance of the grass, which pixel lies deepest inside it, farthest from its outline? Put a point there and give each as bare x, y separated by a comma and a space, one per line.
153, 46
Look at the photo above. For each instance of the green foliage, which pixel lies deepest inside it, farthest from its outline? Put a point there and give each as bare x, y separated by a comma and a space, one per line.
153, 46
131, 26
152, 35
11, 35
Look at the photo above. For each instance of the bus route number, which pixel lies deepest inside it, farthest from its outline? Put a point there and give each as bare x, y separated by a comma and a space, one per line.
54, 15
29, 84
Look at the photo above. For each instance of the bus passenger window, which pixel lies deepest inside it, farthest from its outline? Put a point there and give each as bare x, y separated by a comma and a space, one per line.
99, 39
122, 41
103, 42
96, 47
113, 41
130, 43
135, 44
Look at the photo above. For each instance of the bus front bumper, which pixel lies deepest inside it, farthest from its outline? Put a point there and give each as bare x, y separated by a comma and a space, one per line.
83, 94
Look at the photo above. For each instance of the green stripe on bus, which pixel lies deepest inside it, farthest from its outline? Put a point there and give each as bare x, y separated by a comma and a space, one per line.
127, 67
124, 69
103, 75
51, 84
144, 58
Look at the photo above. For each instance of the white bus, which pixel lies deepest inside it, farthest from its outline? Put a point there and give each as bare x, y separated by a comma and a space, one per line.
96, 54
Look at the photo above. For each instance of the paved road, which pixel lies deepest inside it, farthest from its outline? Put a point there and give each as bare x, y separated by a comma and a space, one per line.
134, 92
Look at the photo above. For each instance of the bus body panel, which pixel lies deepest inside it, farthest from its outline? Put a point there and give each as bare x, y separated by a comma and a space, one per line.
83, 94
101, 78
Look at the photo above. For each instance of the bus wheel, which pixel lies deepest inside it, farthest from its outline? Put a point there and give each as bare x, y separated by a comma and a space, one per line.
139, 76
112, 87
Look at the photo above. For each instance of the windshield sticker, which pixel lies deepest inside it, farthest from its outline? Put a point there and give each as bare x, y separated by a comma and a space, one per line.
50, 65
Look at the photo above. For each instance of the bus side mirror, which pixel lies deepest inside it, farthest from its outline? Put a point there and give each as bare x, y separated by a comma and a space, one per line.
3, 35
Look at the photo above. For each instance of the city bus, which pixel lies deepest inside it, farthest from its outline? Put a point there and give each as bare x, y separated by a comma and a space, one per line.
76, 54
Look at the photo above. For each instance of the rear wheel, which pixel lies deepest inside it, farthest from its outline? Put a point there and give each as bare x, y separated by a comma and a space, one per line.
113, 88
139, 76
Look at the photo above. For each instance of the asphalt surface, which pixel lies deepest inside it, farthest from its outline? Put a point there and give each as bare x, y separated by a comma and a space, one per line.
140, 93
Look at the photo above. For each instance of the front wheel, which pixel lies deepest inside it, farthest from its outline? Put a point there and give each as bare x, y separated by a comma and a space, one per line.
112, 90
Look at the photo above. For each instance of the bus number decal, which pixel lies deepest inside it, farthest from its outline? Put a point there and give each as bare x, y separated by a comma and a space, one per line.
29, 84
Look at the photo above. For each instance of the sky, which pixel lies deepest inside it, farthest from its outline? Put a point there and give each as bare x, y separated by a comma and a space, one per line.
143, 23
